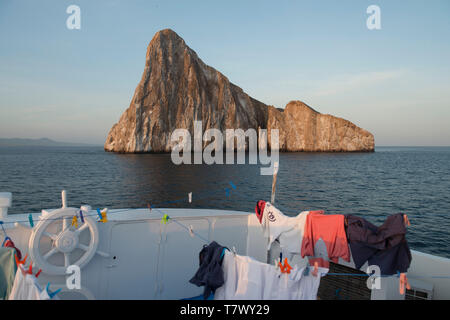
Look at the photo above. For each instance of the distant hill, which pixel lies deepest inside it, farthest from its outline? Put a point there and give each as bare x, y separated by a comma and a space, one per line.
43, 142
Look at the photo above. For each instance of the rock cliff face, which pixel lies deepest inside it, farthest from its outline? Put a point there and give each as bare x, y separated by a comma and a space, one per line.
177, 88
301, 128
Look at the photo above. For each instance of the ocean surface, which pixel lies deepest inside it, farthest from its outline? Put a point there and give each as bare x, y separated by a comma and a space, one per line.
411, 180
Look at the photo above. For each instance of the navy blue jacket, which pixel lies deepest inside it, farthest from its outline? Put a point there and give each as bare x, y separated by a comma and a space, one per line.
385, 246
210, 273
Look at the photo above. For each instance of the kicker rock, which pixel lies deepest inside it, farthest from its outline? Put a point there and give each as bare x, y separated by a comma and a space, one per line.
301, 128
178, 88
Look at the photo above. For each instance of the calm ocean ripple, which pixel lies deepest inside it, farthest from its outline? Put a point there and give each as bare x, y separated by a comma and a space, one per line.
412, 180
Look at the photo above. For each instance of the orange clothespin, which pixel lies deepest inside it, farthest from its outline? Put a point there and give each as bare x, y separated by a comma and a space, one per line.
20, 261
405, 218
104, 218
403, 283
30, 270
316, 269
286, 268
75, 221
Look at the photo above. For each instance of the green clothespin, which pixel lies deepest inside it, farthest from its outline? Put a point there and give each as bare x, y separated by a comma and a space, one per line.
165, 218
30, 219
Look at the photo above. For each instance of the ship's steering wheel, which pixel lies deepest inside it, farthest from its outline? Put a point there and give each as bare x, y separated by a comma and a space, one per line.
56, 231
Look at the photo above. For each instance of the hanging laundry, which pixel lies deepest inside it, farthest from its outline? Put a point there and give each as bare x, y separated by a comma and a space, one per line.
249, 279
24, 287
8, 243
259, 209
8, 270
384, 246
210, 273
288, 230
329, 228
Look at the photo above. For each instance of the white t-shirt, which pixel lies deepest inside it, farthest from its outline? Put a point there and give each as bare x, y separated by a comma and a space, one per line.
248, 279
288, 230
24, 287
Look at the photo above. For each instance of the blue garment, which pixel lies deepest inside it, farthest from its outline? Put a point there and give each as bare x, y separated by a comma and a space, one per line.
210, 273
384, 246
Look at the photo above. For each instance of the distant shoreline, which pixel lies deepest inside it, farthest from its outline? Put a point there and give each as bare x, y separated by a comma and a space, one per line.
43, 142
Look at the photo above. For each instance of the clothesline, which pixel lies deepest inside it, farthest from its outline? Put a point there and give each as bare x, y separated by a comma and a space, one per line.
184, 199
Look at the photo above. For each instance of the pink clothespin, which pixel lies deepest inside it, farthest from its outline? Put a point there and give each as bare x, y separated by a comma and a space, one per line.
403, 283
316, 269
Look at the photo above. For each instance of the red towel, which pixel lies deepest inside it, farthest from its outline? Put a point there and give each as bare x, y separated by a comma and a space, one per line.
332, 231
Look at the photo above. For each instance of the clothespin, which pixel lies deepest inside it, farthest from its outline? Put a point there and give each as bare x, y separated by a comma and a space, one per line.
75, 222
223, 253
191, 231
232, 185
403, 282
102, 215
190, 197
99, 214
405, 218
149, 207
20, 261
165, 218
316, 269
30, 268
286, 268
306, 272
81, 216
50, 293
227, 192
6, 240
30, 219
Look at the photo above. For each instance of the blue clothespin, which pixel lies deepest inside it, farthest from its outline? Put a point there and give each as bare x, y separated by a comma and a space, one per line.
223, 253
81, 216
306, 272
398, 274
227, 192
30, 219
99, 214
232, 185
6, 239
51, 294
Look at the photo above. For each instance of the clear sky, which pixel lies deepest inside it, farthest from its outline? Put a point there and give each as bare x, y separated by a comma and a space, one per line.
73, 85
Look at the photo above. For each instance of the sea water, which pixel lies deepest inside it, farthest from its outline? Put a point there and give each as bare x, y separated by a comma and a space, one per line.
411, 180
